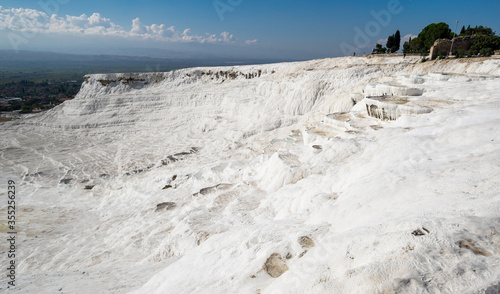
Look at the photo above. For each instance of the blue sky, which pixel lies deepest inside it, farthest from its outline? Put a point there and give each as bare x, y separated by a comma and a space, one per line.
244, 28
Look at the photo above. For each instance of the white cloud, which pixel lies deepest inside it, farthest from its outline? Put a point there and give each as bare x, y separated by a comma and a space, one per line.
227, 37
382, 42
30, 20
138, 27
250, 42
407, 38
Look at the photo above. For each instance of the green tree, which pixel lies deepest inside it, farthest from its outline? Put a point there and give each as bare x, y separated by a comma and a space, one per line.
484, 41
416, 45
397, 42
478, 30
406, 47
390, 43
379, 49
462, 31
485, 52
394, 42
433, 32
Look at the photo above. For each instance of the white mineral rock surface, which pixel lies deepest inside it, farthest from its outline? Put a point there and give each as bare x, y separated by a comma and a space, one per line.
262, 179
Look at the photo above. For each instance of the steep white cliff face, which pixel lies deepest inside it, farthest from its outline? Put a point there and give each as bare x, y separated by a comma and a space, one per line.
348, 175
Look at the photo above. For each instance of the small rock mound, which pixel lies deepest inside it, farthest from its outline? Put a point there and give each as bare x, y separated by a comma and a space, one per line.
213, 189
470, 244
495, 289
65, 181
165, 206
420, 232
275, 266
306, 242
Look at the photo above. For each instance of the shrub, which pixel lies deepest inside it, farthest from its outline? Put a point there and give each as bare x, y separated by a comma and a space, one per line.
478, 30
26, 109
471, 52
459, 53
424, 59
442, 53
416, 45
379, 49
480, 42
485, 52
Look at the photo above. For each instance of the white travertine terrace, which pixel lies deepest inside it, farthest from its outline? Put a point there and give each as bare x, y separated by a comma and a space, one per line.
263, 179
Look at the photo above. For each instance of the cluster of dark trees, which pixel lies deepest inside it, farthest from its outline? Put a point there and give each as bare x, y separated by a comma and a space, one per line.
485, 40
30, 88
41, 95
479, 30
392, 45
28, 105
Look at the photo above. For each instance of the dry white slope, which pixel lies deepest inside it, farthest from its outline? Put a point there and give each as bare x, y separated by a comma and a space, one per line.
247, 163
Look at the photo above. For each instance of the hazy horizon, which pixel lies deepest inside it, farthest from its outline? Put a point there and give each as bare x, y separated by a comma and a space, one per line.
295, 30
